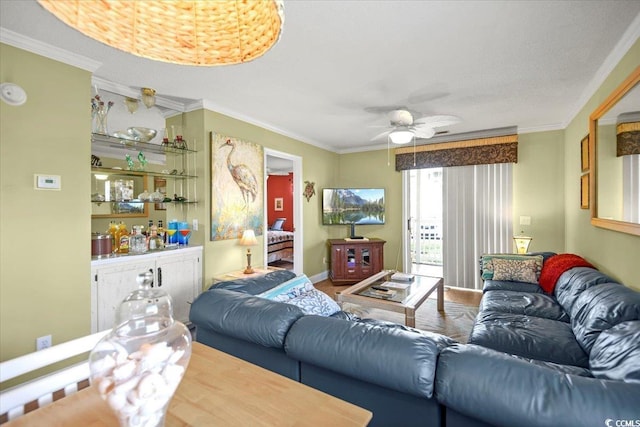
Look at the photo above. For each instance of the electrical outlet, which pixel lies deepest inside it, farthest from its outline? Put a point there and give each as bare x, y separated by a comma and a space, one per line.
324, 260
43, 342
194, 224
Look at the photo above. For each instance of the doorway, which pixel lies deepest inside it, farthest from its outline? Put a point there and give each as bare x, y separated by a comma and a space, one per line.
283, 211
425, 221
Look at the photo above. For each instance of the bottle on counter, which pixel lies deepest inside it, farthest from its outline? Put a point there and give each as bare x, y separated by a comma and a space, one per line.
122, 238
111, 231
161, 231
137, 241
154, 242
148, 233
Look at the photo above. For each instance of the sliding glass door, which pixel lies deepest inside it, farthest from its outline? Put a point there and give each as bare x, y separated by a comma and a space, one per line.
453, 216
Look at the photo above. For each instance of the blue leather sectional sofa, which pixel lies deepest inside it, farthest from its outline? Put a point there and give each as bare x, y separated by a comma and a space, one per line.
569, 359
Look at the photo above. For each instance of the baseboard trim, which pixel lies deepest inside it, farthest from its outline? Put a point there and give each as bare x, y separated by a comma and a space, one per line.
319, 277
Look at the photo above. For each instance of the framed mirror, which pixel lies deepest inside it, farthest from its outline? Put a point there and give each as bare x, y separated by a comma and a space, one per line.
115, 196
614, 142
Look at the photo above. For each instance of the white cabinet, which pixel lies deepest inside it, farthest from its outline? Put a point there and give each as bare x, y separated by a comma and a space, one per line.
177, 272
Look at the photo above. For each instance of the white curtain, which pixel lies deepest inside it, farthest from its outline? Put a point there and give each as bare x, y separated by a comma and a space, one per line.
477, 219
631, 188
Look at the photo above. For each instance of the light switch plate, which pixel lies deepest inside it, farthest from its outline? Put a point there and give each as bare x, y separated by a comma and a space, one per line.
525, 220
47, 182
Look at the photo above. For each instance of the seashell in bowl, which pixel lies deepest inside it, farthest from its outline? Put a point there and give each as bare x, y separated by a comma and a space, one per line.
142, 134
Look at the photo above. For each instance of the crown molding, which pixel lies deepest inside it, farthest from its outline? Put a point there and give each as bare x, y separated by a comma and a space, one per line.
627, 40
43, 49
208, 105
542, 128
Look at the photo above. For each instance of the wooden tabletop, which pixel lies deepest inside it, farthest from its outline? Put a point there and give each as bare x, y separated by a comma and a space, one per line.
217, 390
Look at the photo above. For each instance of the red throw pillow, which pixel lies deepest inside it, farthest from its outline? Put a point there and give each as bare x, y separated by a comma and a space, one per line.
554, 266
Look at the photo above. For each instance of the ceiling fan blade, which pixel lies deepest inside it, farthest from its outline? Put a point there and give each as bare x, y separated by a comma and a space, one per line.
438, 121
424, 132
380, 135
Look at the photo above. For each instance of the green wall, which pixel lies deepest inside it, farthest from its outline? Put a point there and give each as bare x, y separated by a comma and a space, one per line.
44, 235
538, 189
612, 252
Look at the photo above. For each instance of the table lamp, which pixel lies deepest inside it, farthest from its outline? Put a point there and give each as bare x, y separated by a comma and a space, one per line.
248, 239
522, 242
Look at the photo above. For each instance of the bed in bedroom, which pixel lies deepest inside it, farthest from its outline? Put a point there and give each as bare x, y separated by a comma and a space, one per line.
279, 246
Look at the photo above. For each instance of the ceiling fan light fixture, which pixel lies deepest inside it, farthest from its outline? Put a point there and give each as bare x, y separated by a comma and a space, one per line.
188, 32
401, 136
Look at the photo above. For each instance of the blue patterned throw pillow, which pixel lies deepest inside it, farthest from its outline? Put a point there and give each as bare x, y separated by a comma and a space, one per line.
315, 302
289, 289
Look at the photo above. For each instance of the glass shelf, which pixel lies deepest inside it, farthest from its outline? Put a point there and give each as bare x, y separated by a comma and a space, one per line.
129, 144
177, 202
125, 172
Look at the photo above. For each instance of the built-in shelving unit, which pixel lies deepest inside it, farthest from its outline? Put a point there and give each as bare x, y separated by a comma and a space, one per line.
180, 168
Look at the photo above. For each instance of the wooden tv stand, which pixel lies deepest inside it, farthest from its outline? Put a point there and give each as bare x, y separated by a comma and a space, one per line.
353, 260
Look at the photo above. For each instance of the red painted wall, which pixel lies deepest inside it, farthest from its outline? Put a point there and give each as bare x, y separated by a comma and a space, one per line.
280, 186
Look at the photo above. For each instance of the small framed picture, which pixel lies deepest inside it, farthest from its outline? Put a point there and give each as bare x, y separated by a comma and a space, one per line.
584, 150
584, 191
160, 185
278, 204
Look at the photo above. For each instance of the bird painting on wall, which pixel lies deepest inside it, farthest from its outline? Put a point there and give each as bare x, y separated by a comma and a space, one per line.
242, 176
237, 187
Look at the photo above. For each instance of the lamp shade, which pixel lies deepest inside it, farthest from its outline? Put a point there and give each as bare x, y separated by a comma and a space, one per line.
189, 32
248, 238
148, 97
401, 136
522, 243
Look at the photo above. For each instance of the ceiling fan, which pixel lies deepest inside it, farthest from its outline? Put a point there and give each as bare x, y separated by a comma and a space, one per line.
406, 125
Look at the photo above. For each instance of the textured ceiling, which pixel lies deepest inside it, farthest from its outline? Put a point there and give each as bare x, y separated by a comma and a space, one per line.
340, 64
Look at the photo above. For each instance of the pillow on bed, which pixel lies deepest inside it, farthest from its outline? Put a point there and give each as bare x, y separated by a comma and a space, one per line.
488, 265
289, 289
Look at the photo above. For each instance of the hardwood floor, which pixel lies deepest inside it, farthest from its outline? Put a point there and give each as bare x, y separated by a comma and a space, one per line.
459, 295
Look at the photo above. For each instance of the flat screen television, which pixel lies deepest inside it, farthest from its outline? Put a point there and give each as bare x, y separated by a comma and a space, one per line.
353, 206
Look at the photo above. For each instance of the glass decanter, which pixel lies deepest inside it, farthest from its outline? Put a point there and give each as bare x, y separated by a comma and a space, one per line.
138, 366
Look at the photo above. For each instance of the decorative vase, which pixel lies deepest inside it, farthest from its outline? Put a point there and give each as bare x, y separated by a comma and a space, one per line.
138, 366
99, 114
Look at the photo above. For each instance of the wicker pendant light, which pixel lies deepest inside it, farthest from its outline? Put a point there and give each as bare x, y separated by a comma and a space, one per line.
189, 32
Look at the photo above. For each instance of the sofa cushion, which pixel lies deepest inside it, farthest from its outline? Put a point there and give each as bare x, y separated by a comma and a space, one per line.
256, 285
523, 262
315, 302
615, 355
289, 289
401, 358
528, 336
508, 285
504, 391
530, 304
599, 308
574, 281
243, 316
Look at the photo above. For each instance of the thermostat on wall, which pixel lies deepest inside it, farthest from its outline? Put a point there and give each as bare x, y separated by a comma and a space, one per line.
47, 182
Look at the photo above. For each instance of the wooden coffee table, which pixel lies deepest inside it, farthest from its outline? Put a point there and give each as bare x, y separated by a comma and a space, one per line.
396, 299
